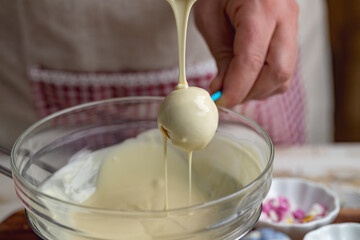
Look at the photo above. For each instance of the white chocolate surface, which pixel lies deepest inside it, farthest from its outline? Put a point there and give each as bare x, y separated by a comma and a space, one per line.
190, 118
128, 176
119, 177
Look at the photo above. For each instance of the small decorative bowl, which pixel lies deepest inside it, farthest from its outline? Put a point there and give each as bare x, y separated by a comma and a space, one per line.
341, 231
304, 194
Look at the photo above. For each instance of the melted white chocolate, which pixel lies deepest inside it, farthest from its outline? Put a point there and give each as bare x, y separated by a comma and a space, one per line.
188, 115
129, 177
181, 9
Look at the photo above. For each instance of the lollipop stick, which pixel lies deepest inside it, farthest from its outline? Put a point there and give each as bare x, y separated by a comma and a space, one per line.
216, 96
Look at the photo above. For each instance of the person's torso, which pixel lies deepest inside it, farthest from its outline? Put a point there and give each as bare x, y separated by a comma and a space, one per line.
111, 35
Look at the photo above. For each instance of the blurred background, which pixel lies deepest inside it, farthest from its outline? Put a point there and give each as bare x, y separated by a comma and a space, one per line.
344, 22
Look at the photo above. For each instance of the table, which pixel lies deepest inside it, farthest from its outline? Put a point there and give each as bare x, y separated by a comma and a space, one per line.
336, 165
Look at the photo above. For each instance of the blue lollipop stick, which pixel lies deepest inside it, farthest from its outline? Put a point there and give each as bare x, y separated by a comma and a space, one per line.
216, 96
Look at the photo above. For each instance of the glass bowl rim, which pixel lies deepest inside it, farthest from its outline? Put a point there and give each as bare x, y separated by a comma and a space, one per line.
36, 191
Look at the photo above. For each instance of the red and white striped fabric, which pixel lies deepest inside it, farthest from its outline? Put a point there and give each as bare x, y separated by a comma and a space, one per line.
282, 116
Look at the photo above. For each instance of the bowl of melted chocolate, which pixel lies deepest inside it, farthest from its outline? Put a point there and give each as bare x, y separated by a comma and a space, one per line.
104, 170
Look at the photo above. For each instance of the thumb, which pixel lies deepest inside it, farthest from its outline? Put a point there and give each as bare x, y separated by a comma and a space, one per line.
212, 23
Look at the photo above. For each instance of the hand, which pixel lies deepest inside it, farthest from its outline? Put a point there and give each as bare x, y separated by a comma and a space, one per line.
254, 43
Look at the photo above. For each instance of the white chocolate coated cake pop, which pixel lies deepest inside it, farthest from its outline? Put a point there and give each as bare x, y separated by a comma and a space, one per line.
189, 117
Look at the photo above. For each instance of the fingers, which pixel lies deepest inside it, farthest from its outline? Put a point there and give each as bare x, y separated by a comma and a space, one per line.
276, 75
253, 32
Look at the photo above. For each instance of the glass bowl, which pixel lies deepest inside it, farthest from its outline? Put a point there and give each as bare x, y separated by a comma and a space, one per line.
51, 143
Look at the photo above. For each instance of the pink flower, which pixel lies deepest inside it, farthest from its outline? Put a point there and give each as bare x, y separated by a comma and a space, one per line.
299, 214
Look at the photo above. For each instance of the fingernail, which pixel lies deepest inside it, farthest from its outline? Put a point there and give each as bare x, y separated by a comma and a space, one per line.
221, 102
